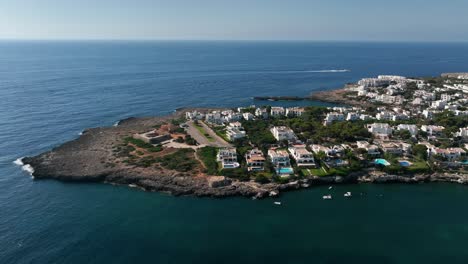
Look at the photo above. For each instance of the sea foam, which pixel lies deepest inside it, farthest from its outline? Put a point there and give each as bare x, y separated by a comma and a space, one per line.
28, 168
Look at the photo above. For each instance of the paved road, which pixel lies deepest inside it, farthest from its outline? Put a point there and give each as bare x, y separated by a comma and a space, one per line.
201, 139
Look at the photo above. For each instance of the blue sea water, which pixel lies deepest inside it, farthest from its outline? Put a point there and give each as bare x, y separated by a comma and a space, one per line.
51, 91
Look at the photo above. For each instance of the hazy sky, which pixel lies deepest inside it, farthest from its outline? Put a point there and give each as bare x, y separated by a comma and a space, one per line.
398, 20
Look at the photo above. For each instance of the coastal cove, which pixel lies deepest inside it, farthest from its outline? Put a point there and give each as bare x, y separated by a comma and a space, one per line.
52, 91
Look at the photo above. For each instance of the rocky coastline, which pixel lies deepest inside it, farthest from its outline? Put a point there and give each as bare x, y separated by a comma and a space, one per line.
89, 158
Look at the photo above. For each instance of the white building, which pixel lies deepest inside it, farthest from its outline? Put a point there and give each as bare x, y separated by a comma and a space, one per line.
235, 131
277, 111
438, 104
446, 97
281, 162
462, 132
380, 129
333, 117
413, 129
214, 118
261, 112
255, 160
301, 155
194, 115
228, 158
248, 116
231, 117
352, 116
283, 133
432, 130
384, 115
428, 114
372, 150
294, 111
450, 154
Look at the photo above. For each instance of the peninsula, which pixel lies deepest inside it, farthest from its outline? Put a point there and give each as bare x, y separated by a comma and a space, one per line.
392, 129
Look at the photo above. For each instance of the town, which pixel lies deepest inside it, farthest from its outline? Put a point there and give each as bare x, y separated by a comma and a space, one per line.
404, 126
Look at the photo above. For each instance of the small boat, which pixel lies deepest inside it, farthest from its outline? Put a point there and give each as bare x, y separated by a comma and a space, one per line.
327, 197
329, 188
347, 194
277, 203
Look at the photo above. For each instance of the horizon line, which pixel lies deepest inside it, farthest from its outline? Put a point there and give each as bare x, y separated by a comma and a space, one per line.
221, 40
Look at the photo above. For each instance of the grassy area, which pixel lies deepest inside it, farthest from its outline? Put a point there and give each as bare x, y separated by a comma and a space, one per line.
418, 167
322, 172
141, 144
208, 156
221, 132
202, 131
179, 161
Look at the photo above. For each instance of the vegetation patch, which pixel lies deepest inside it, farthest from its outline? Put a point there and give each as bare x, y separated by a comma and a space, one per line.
141, 144
208, 157
181, 160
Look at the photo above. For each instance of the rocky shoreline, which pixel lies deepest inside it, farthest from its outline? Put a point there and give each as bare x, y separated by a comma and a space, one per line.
89, 158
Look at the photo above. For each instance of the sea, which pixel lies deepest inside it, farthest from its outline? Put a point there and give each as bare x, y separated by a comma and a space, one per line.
51, 90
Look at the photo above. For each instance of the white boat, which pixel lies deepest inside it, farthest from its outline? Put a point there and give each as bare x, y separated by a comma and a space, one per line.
327, 197
278, 203
347, 194
329, 188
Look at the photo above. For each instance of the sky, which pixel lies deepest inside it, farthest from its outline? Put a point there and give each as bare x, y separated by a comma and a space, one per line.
317, 20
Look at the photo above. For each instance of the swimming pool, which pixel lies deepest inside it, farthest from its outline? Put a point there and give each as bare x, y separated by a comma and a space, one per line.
381, 162
404, 163
285, 171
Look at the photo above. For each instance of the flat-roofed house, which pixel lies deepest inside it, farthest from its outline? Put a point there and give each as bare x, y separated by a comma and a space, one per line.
372, 150
281, 162
382, 130
255, 160
277, 111
283, 133
228, 158
301, 155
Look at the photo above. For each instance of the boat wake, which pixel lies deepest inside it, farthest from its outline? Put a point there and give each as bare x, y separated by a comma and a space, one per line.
28, 168
331, 71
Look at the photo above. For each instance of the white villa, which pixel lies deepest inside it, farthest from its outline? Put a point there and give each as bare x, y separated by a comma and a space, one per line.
235, 131
261, 112
432, 130
277, 111
371, 149
380, 129
281, 162
413, 129
301, 155
214, 118
332, 117
294, 111
255, 160
228, 158
194, 115
450, 154
283, 133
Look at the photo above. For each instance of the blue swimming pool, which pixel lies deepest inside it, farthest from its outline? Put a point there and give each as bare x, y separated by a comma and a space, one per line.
381, 162
285, 171
404, 163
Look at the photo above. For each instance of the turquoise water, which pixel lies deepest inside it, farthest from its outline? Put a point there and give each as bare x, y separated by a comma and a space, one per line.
383, 162
285, 170
51, 91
